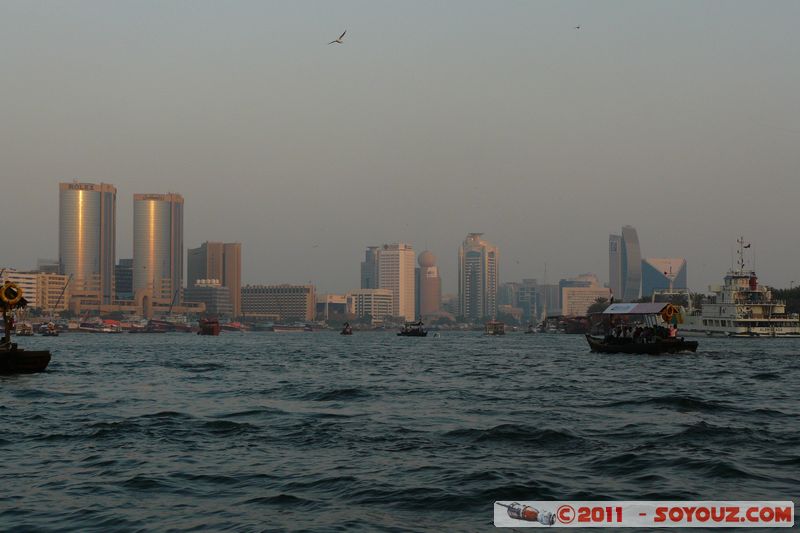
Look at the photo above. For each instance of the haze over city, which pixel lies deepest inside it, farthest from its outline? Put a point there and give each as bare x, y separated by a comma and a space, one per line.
426, 123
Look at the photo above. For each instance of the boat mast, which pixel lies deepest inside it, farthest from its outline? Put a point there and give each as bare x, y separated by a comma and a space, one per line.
169, 313
63, 289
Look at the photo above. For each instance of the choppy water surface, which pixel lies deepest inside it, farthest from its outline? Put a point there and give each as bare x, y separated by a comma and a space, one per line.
321, 432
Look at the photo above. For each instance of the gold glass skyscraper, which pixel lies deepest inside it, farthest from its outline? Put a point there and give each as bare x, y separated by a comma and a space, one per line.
158, 244
87, 238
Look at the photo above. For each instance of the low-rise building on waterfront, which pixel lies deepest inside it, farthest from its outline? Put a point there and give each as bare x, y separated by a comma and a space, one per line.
289, 302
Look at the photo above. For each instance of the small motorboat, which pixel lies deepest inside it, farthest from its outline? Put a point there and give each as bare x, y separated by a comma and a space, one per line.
346, 330
413, 329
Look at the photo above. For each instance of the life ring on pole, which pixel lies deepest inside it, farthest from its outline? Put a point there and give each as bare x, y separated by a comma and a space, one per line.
11, 294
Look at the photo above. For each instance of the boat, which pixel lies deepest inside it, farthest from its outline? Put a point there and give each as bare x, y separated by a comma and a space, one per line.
233, 326
13, 359
413, 329
742, 307
658, 347
640, 328
494, 327
98, 325
296, 328
531, 330
168, 324
48, 330
209, 326
24, 329
347, 329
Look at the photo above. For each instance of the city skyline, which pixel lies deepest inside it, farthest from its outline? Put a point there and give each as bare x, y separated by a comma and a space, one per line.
648, 115
178, 199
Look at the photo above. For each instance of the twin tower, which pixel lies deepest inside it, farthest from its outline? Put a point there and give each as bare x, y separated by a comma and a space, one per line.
87, 241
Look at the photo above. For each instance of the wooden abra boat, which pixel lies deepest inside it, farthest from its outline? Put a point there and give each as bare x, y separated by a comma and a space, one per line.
413, 329
209, 326
656, 347
14, 360
640, 329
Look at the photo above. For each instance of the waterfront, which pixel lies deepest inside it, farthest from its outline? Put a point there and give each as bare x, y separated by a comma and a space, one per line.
322, 432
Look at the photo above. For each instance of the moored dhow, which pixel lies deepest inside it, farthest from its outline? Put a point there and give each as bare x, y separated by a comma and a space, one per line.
741, 307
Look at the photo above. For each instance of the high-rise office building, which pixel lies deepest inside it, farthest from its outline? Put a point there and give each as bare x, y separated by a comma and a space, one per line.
369, 268
47, 265
663, 273
396, 273
87, 238
123, 279
615, 265
477, 278
548, 300
631, 263
430, 285
625, 265
528, 298
217, 260
158, 244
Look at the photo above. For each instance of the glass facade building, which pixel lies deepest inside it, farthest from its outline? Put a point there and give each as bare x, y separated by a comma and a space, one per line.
663, 274
158, 244
87, 238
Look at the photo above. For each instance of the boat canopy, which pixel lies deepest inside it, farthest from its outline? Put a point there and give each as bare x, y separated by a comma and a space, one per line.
665, 309
647, 308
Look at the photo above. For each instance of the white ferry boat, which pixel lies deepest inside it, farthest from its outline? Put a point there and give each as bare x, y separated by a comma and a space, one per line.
742, 308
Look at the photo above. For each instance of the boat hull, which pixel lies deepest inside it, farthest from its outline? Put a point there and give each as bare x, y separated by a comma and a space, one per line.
644, 348
17, 361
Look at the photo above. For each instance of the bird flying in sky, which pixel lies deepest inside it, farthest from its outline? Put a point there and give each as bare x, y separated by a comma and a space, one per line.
576, 27
339, 40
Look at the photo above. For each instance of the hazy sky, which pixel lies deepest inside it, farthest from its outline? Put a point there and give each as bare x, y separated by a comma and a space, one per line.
432, 120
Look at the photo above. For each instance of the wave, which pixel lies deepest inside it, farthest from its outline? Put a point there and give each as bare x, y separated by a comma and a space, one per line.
515, 433
141, 482
766, 376
252, 413
279, 500
228, 427
334, 395
680, 403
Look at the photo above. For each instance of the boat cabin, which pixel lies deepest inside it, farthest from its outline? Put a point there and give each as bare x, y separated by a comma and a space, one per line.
495, 327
